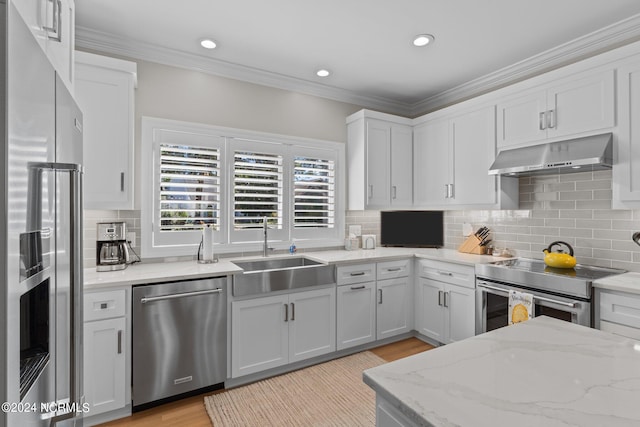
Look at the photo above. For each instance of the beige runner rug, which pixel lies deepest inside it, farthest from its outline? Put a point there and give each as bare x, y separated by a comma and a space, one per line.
329, 394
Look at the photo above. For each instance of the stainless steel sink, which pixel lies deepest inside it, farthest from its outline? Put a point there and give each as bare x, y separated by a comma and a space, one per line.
279, 274
275, 264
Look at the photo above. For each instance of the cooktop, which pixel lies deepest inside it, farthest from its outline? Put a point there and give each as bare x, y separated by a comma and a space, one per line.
535, 274
538, 266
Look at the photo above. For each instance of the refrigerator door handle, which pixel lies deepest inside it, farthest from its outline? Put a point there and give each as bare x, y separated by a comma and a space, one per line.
75, 253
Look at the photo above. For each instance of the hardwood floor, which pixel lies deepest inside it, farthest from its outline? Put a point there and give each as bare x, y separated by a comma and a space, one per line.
190, 412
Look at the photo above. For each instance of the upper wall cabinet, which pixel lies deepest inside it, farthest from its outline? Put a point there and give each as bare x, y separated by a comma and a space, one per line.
452, 156
105, 92
626, 173
52, 22
379, 159
581, 103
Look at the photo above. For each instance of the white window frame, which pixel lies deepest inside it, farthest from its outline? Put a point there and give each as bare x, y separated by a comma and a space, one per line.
154, 242
257, 235
303, 234
227, 240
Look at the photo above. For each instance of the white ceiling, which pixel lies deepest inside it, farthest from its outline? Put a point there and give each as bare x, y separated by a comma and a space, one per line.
365, 43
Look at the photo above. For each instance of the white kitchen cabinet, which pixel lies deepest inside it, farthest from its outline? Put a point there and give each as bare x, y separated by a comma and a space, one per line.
379, 161
445, 301
452, 156
105, 92
626, 172
394, 286
273, 331
618, 312
312, 324
393, 313
388, 415
355, 305
52, 22
105, 348
356, 314
584, 102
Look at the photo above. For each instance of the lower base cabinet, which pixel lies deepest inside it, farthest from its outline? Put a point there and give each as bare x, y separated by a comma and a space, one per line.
618, 313
273, 331
356, 314
447, 311
106, 378
394, 314
389, 416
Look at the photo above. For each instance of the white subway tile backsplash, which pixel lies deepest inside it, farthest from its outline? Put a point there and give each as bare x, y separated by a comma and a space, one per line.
593, 204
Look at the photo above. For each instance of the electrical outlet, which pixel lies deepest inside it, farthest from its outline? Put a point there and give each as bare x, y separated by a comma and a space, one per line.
356, 230
131, 237
466, 229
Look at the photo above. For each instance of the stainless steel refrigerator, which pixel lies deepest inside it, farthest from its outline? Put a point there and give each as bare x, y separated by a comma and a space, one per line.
40, 236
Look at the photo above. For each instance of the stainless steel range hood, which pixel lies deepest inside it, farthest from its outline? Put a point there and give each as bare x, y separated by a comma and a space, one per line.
574, 155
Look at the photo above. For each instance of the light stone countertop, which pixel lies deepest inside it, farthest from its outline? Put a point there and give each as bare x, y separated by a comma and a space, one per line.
543, 372
626, 282
141, 273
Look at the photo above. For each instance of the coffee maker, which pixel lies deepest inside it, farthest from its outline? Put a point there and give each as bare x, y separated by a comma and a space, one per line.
112, 250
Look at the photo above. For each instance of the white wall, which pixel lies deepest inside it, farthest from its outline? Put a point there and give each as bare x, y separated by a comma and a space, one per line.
180, 94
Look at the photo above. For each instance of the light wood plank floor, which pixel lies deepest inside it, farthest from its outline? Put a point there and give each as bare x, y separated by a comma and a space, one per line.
191, 412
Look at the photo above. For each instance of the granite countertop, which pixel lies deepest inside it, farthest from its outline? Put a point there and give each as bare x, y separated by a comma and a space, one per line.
543, 372
627, 282
141, 273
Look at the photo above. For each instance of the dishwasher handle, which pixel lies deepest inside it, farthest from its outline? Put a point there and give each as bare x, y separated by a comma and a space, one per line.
182, 295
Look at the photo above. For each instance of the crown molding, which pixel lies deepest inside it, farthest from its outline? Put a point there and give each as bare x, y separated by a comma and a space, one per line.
112, 44
607, 38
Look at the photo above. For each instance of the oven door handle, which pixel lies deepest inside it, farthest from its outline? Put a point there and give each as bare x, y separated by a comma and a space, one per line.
535, 297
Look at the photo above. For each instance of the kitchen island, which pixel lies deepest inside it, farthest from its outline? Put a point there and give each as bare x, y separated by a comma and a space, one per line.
543, 372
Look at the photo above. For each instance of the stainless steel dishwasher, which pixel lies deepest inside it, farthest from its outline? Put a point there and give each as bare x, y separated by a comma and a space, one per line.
179, 339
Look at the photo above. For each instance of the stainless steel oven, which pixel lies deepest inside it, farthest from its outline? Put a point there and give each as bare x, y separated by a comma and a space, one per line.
561, 293
492, 305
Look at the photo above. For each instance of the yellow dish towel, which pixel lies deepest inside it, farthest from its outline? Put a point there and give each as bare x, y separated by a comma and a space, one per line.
520, 306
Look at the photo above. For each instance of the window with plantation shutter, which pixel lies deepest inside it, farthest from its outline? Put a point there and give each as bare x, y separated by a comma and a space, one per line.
313, 192
257, 189
189, 187
196, 175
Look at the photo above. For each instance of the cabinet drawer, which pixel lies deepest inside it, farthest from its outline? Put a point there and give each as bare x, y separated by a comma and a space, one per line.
620, 308
104, 305
356, 274
393, 269
623, 331
456, 274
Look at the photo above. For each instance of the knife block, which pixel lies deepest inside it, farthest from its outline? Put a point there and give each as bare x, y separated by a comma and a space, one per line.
472, 246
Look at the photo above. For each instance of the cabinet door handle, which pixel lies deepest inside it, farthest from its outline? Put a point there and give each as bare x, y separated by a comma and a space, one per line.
120, 341
446, 303
451, 191
293, 311
379, 296
394, 191
122, 181
551, 119
394, 269
357, 288
370, 191
359, 273
286, 312
445, 273
446, 191
56, 22
543, 124
440, 298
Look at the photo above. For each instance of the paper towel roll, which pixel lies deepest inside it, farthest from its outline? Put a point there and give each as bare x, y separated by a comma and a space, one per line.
207, 243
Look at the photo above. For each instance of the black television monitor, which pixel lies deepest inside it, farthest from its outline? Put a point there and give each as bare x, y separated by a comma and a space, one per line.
415, 229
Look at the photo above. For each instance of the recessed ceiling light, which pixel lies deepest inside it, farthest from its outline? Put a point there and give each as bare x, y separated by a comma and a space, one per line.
323, 73
208, 44
423, 39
